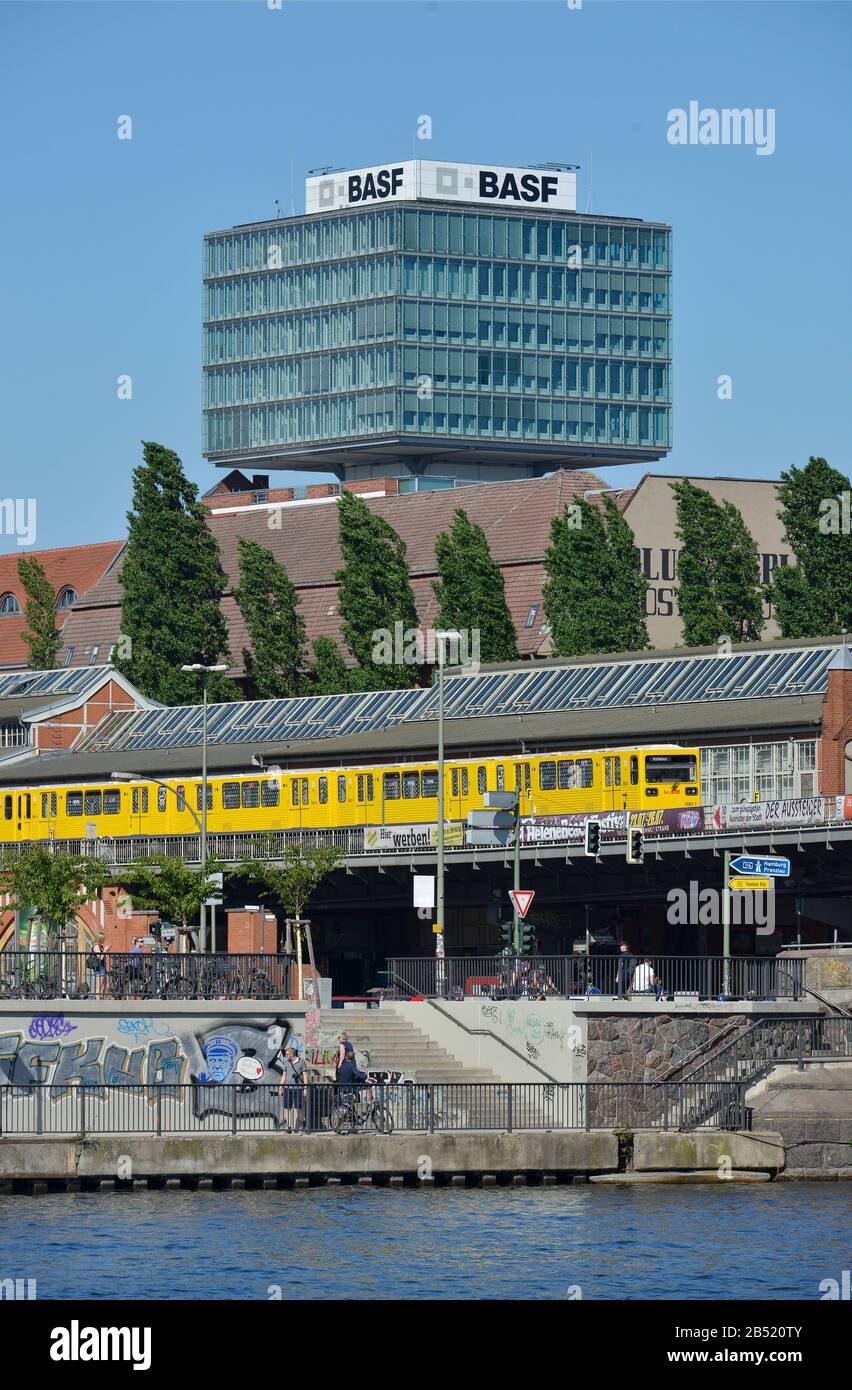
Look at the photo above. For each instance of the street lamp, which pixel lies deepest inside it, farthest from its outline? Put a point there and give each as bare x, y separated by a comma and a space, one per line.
198, 666
441, 638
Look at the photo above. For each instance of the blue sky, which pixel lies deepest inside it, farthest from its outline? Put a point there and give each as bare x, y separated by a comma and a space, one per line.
233, 102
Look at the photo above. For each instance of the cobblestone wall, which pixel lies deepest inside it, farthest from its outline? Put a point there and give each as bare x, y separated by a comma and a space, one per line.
646, 1046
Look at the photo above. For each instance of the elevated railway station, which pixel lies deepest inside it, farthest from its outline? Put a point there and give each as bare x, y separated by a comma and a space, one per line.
767, 726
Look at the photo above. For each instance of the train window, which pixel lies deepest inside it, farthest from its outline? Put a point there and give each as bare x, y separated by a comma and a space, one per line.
181, 797
112, 803
294, 791
527, 777
93, 803
464, 781
304, 791
48, 804
634, 771
43, 805
161, 800
565, 775
73, 803
361, 786
370, 792
199, 790
28, 806
429, 784
454, 781
323, 790
670, 767
617, 762
53, 803
231, 796
140, 798
410, 785
607, 772
7, 807
390, 786
251, 795
547, 776
270, 792
341, 788
481, 780
501, 778
585, 773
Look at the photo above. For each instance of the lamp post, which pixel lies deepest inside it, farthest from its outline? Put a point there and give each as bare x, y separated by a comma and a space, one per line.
198, 666
441, 637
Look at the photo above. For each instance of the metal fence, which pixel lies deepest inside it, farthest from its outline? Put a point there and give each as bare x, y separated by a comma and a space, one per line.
460, 977
142, 975
439, 1107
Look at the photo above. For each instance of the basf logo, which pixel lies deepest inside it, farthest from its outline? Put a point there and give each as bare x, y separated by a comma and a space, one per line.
458, 183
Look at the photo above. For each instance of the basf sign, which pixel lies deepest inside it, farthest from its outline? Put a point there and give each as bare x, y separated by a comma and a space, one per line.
487, 184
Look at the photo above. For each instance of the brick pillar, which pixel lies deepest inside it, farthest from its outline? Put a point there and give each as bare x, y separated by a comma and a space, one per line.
837, 727
252, 931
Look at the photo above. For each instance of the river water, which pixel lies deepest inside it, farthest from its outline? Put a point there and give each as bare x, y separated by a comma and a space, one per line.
761, 1241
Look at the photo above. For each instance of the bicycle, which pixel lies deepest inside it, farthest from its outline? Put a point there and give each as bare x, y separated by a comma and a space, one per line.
351, 1113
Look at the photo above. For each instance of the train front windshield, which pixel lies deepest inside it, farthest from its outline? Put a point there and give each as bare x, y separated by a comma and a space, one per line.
670, 767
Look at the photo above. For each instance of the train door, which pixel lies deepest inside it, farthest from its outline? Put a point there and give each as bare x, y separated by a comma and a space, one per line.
24, 816
456, 793
523, 785
613, 791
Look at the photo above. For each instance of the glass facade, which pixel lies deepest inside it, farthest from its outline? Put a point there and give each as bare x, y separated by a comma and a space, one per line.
443, 326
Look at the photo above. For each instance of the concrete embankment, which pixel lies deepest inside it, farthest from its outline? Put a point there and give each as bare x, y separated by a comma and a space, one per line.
258, 1160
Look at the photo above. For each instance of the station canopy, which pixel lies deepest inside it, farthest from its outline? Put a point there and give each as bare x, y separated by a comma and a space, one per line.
643, 682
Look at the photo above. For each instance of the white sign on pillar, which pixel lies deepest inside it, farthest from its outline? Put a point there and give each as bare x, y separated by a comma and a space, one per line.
424, 890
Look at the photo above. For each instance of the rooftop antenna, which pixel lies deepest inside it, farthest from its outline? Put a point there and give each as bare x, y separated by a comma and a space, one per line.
277, 206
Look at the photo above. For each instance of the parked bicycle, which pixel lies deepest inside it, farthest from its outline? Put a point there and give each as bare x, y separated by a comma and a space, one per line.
353, 1112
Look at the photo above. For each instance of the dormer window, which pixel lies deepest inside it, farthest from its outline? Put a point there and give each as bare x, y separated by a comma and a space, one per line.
9, 605
66, 599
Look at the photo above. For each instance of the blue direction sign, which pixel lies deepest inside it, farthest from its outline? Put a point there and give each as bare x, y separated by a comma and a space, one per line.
771, 866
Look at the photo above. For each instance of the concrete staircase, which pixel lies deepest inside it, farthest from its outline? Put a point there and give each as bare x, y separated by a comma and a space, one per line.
394, 1044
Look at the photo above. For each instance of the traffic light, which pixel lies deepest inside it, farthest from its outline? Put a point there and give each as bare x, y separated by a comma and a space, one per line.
507, 932
635, 846
593, 838
525, 936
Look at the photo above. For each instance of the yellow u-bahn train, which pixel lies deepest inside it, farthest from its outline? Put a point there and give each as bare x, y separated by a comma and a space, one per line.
608, 779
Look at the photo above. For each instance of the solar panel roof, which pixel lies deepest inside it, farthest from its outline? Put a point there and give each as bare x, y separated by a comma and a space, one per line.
66, 681
630, 684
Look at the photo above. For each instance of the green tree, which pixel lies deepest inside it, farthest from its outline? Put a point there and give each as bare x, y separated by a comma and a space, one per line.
41, 634
54, 885
291, 878
470, 590
719, 592
813, 597
594, 594
159, 883
328, 673
269, 604
374, 595
173, 583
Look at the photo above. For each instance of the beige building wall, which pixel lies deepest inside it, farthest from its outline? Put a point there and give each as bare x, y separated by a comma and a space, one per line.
652, 515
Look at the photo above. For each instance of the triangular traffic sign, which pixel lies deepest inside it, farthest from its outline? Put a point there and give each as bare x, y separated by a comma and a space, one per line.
521, 898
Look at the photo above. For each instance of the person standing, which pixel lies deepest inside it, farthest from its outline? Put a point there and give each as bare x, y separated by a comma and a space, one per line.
292, 1089
97, 963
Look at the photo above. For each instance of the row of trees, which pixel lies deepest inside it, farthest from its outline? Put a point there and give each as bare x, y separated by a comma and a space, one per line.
593, 594
56, 885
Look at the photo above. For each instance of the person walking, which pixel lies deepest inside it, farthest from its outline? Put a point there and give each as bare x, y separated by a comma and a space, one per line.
623, 970
343, 1046
292, 1089
97, 964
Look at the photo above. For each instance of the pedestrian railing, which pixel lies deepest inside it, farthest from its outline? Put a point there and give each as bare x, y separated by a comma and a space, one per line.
616, 976
441, 1107
34, 975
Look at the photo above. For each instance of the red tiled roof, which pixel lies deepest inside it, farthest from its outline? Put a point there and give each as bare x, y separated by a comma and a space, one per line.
515, 517
77, 567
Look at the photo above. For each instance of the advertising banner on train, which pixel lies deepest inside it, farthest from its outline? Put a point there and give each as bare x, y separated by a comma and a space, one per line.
763, 815
614, 825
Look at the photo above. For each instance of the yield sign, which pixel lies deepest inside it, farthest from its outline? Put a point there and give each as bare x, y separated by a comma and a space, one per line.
521, 899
